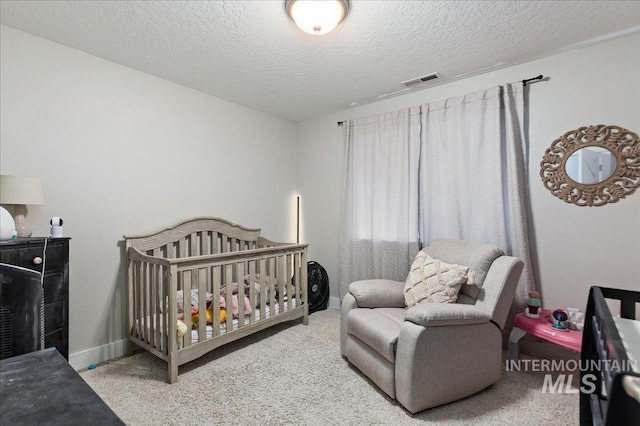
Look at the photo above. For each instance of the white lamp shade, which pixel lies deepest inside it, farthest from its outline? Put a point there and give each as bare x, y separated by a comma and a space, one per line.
317, 17
20, 190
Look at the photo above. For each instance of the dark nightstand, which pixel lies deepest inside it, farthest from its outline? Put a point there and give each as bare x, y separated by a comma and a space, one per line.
26, 252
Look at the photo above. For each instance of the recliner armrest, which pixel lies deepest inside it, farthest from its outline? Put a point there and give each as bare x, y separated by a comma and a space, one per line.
442, 314
378, 293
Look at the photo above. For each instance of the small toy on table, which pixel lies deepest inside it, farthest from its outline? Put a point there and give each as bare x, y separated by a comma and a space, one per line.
533, 305
576, 319
560, 316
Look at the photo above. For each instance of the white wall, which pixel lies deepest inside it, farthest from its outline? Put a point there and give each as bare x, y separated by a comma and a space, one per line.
575, 247
122, 152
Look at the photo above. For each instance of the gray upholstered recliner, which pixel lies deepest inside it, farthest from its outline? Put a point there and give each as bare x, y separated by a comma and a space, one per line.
432, 353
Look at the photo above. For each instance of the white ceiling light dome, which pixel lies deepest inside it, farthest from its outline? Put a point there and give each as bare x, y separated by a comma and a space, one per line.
317, 16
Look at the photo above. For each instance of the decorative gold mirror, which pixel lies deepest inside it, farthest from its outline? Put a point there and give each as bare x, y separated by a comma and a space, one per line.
592, 165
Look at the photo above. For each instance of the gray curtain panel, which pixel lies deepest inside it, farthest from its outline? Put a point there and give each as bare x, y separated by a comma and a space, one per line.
473, 173
456, 168
379, 229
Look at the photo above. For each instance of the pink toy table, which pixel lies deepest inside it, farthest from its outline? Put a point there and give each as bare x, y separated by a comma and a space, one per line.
541, 327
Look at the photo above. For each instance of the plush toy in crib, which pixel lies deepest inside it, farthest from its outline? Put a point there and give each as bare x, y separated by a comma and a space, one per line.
181, 330
223, 315
195, 317
235, 311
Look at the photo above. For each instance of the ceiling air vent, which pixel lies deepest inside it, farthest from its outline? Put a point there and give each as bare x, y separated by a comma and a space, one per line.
422, 79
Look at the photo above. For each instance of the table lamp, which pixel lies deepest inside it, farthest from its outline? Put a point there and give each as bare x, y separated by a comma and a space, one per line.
21, 191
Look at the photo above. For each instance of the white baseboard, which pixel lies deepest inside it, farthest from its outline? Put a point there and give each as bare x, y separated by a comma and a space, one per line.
83, 359
334, 302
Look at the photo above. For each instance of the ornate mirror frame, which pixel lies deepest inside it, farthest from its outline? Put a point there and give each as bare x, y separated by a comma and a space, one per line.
622, 143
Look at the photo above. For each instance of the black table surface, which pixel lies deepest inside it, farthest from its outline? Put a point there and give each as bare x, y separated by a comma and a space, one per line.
42, 388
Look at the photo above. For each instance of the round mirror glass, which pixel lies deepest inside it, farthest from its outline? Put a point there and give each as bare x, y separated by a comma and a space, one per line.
590, 165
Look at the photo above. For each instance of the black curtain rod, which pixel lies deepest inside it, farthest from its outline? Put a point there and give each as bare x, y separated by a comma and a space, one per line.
524, 83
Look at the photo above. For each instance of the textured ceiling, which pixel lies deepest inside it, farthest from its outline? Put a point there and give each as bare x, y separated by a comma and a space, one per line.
250, 53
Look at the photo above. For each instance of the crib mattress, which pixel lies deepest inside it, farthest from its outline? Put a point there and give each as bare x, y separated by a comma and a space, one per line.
223, 327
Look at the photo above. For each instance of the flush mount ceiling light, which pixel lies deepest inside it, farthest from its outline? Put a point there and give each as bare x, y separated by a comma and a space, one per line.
317, 16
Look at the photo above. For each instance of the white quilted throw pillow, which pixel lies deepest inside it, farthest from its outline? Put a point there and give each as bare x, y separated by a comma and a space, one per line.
434, 281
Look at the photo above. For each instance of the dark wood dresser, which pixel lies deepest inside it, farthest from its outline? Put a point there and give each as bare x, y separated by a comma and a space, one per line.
28, 253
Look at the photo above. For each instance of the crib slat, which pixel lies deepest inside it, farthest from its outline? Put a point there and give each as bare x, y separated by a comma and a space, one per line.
239, 280
159, 309
272, 286
200, 281
164, 296
156, 303
224, 248
213, 237
143, 300
155, 308
147, 303
288, 286
217, 278
263, 289
184, 283
193, 244
281, 282
186, 300
204, 242
152, 304
172, 342
180, 251
252, 291
296, 276
235, 277
133, 311
138, 275
215, 243
130, 312
136, 296
292, 287
229, 300
182, 248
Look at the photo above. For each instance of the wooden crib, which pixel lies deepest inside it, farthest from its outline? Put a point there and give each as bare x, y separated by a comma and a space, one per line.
212, 256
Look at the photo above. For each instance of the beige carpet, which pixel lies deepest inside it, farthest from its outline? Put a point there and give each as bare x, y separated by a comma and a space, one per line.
295, 375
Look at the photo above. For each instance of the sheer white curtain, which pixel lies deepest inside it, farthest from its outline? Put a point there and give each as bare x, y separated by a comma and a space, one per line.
379, 232
473, 173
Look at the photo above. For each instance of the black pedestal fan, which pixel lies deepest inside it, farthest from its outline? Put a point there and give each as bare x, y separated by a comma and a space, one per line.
318, 285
